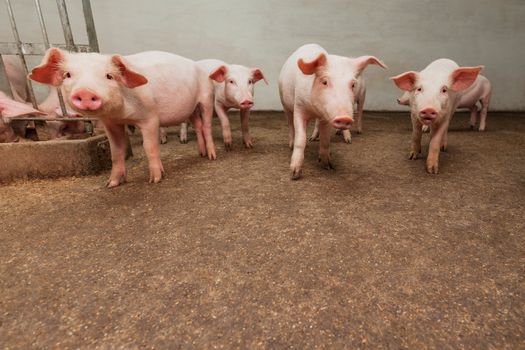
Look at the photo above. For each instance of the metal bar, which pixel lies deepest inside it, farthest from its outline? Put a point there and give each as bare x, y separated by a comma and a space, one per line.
46, 42
38, 49
90, 25
66, 26
5, 86
20, 52
54, 119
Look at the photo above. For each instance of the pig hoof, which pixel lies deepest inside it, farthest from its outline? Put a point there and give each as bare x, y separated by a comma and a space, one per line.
314, 137
443, 148
228, 146
248, 144
114, 182
212, 155
163, 140
425, 128
348, 140
326, 164
472, 127
183, 140
359, 131
432, 169
296, 174
413, 155
481, 129
339, 132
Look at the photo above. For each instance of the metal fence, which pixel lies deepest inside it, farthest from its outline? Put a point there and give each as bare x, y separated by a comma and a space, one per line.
23, 49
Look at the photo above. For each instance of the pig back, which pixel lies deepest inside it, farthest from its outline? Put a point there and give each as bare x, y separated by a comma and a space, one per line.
173, 81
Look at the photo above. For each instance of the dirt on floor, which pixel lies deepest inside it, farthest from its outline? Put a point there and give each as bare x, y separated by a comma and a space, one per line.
231, 253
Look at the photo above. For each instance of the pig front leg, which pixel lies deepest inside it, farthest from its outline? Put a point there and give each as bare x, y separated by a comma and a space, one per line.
299, 144
116, 134
347, 136
246, 137
183, 132
417, 132
315, 133
150, 136
436, 141
324, 145
225, 125
163, 135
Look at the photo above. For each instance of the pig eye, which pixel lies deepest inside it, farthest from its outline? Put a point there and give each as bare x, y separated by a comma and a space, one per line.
250, 82
444, 90
352, 85
324, 82
231, 82
419, 89
67, 75
109, 76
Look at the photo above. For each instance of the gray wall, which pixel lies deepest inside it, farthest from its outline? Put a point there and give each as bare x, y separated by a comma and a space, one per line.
406, 34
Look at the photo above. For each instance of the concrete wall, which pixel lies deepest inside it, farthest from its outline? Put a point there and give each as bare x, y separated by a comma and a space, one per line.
406, 34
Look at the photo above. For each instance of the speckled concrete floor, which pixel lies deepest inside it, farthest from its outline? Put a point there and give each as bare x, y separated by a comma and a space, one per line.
232, 254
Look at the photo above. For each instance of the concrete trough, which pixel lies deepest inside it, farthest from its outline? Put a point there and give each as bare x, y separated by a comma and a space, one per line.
47, 159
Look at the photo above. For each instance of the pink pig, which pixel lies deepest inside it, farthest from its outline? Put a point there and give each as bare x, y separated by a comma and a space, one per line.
435, 94
480, 91
148, 89
10, 108
316, 85
233, 88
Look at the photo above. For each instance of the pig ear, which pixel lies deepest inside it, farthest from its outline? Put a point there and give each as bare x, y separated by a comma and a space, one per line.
364, 61
219, 74
49, 71
10, 108
463, 77
406, 81
309, 68
126, 75
258, 75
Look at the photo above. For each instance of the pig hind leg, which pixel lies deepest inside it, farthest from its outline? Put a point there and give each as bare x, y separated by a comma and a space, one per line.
473, 115
315, 132
163, 132
197, 125
485, 101
291, 130
183, 133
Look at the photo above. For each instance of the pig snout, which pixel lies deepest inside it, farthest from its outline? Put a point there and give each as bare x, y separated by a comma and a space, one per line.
246, 104
428, 115
86, 100
342, 122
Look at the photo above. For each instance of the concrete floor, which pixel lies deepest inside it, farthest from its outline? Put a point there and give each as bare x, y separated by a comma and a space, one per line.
229, 254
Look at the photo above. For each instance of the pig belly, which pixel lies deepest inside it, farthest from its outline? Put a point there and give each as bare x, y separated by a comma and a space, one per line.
176, 108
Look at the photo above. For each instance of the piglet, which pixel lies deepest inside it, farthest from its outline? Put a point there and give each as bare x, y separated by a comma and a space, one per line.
316, 85
148, 90
480, 91
10, 108
434, 95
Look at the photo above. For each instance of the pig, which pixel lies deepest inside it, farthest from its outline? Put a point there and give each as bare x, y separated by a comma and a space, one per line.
480, 91
360, 94
435, 94
316, 85
233, 89
9, 108
148, 89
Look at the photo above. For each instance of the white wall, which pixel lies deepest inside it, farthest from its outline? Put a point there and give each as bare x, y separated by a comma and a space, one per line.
406, 34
